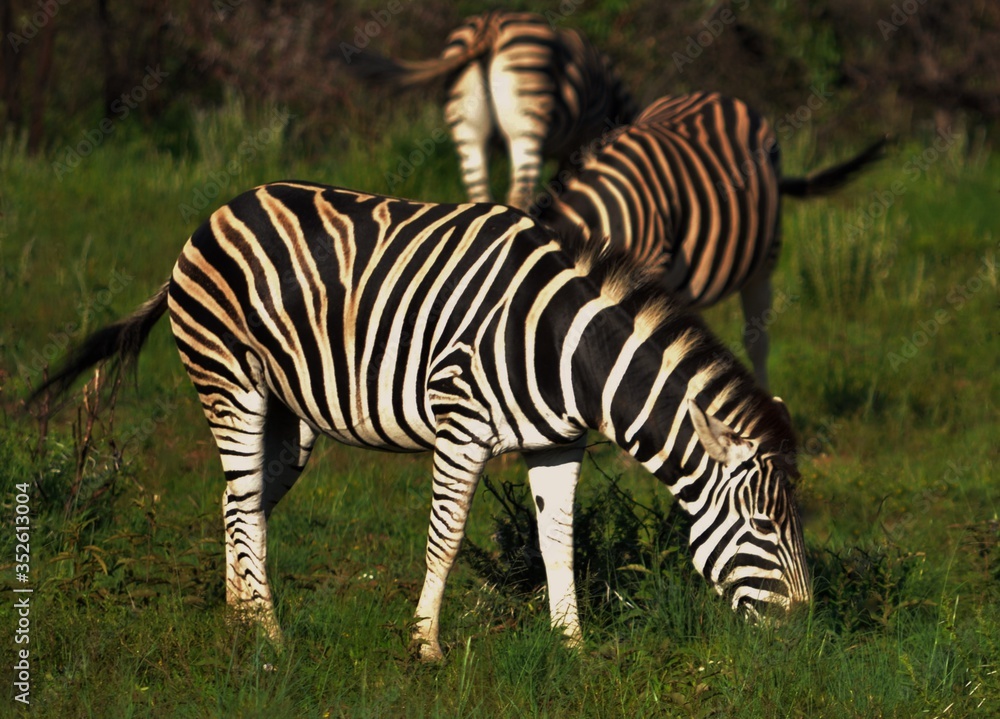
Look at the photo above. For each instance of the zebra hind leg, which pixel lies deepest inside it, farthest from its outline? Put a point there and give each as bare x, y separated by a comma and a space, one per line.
756, 299
523, 106
263, 448
458, 466
469, 115
288, 443
525, 167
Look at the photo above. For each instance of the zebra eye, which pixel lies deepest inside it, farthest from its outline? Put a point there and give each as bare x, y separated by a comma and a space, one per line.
762, 524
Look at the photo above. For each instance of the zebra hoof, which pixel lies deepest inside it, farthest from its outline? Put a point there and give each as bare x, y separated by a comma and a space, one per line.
263, 619
427, 652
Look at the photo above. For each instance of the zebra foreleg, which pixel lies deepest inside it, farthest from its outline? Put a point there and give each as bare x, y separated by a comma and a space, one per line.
553, 476
756, 299
457, 468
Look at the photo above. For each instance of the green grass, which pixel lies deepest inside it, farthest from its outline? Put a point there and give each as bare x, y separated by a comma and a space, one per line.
899, 431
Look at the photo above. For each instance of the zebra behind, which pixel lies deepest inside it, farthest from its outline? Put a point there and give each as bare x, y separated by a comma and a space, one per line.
468, 331
512, 76
693, 188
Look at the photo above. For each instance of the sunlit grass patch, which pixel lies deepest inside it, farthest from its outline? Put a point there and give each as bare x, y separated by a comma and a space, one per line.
898, 461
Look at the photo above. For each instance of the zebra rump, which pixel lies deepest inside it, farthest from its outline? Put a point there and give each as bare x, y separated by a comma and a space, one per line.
543, 91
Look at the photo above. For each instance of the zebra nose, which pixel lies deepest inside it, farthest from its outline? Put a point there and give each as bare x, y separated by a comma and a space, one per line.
799, 597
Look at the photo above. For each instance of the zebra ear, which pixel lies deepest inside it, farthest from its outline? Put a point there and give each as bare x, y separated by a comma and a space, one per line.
719, 440
784, 409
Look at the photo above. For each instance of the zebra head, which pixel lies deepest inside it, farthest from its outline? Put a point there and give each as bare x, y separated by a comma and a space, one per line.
746, 537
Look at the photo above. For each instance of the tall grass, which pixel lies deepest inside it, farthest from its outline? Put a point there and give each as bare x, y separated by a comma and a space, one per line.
898, 482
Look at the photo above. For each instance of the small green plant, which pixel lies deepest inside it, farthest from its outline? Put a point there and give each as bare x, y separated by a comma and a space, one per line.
619, 544
844, 262
862, 589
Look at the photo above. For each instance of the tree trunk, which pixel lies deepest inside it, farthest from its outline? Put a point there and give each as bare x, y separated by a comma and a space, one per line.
111, 91
39, 101
10, 66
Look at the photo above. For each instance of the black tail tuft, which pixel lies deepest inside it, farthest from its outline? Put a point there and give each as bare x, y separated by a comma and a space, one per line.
372, 67
122, 340
408, 74
833, 178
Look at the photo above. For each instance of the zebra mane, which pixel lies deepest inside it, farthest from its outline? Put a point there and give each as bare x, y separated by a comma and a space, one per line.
637, 288
618, 274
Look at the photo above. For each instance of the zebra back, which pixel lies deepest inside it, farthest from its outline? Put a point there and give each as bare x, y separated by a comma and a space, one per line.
691, 188
367, 315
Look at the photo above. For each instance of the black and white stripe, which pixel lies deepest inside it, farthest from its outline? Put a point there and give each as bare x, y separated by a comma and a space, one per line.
543, 91
692, 189
469, 331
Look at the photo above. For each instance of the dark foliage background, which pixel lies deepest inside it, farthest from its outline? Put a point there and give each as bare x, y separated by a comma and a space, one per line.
899, 67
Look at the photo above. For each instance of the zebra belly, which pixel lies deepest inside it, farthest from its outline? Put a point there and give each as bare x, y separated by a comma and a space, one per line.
363, 417
680, 281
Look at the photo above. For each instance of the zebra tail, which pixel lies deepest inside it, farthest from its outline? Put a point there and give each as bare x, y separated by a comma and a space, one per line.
369, 65
122, 340
833, 178
405, 74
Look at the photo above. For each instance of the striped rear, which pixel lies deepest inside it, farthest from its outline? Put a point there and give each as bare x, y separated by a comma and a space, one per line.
540, 91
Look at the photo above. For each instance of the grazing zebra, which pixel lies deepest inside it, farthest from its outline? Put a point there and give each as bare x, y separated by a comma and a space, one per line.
693, 188
546, 91
468, 330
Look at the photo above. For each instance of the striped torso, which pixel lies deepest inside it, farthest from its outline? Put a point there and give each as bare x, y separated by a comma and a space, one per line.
690, 188
367, 312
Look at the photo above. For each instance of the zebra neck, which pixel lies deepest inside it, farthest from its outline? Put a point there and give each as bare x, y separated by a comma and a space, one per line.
631, 382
